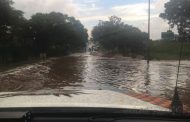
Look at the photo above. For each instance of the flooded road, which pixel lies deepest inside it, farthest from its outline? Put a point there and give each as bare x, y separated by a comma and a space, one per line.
83, 71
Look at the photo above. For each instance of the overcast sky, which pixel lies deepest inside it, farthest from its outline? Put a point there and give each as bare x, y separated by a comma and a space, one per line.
133, 12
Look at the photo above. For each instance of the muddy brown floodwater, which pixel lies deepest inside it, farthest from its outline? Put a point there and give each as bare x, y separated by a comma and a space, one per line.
82, 71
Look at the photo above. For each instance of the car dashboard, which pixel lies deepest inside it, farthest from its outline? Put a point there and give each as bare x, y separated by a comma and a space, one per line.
87, 115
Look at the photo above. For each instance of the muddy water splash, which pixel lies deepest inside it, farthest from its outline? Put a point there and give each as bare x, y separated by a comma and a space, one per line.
92, 72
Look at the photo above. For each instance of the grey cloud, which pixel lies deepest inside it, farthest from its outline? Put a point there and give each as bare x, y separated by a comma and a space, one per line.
31, 7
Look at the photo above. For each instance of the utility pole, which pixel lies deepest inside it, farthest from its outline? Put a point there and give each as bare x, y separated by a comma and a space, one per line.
148, 45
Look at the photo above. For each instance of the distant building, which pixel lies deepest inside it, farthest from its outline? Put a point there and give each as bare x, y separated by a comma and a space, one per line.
168, 36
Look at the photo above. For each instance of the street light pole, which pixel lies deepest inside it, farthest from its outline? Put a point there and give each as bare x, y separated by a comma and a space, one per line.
148, 46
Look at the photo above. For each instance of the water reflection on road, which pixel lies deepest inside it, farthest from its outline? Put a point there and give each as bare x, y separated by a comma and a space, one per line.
93, 72
123, 74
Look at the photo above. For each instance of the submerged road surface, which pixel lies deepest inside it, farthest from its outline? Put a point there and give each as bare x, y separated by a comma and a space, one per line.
68, 74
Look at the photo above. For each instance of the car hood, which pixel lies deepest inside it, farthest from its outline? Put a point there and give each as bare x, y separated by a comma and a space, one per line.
84, 98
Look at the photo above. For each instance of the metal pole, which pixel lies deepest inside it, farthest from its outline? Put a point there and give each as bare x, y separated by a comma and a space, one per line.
148, 47
149, 20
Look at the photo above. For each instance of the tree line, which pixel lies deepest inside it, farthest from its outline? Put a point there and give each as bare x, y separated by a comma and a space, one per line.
59, 34
52, 33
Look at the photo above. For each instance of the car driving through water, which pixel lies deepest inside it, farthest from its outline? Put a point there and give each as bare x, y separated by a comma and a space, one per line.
92, 60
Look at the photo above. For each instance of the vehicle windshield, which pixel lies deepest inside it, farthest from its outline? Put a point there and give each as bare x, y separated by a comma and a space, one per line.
95, 53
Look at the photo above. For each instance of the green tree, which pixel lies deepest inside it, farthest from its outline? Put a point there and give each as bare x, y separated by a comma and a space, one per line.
115, 36
11, 26
55, 32
177, 12
52, 33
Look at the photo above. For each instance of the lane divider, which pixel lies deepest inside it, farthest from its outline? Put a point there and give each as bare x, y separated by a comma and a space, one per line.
166, 103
